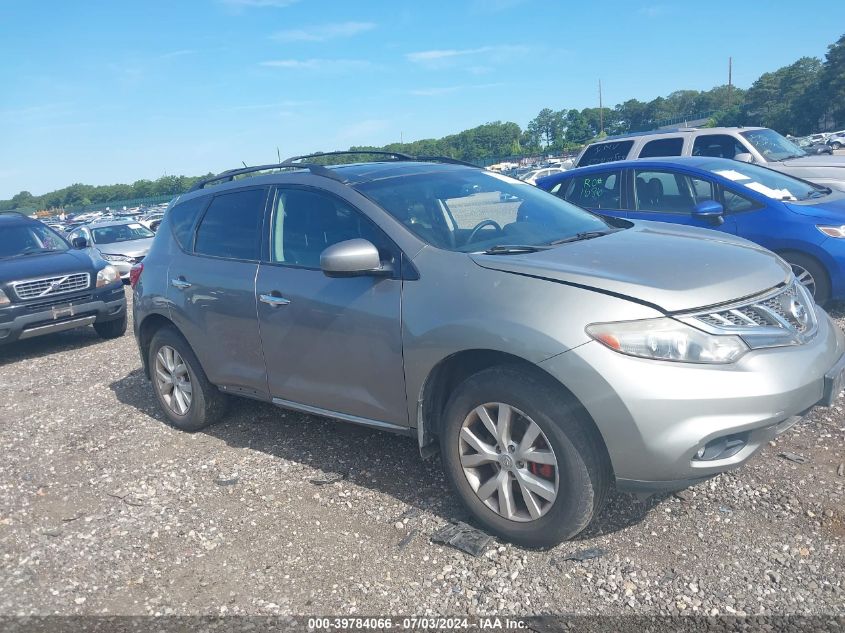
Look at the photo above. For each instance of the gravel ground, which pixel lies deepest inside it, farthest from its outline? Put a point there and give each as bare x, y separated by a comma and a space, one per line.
104, 508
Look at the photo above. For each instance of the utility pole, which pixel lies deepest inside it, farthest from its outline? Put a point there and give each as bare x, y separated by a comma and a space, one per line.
730, 80
601, 112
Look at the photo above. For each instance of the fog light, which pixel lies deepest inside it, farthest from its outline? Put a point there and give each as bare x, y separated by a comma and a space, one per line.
722, 447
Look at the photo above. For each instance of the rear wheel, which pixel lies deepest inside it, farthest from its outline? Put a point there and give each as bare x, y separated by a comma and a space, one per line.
522, 457
184, 392
811, 275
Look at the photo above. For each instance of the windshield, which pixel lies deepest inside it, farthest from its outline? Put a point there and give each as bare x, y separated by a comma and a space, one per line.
770, 183
474, 210
773, 146
29, 238
120, 233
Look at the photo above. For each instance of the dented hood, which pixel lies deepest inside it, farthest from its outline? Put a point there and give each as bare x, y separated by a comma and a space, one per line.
676, 268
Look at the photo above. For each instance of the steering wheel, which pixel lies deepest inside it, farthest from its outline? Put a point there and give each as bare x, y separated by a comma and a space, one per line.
480, 226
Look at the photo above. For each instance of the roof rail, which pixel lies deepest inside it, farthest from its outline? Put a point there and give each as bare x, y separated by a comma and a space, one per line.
322, 170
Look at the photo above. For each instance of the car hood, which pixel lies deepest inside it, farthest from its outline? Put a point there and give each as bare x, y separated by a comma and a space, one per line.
674, 268
45, 265
133, 248
831, 208
816, 160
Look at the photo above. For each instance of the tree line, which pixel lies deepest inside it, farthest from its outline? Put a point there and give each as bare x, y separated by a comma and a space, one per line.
803, 97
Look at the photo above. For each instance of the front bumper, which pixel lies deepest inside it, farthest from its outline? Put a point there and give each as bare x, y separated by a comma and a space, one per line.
56, 314
655, 416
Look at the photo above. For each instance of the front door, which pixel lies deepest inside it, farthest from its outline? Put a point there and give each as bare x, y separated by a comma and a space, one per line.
332, 345
669, 196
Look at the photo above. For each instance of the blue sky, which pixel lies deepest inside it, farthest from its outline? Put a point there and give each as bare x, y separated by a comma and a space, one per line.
105, 91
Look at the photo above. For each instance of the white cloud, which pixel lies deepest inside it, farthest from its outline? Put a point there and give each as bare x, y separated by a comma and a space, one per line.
436, 92
445, 56
329, 65
324, 32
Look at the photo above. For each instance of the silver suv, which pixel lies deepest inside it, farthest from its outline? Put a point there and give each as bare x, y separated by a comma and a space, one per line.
550, 352
758, 145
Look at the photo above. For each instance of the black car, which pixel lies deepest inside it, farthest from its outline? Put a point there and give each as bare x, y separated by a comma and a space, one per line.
47, 286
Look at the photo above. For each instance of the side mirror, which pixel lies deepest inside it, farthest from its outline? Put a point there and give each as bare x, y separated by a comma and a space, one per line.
352, 258
710, 211
744, 157
79, 242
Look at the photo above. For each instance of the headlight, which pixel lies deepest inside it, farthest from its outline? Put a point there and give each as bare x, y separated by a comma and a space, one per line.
115, 258
106, 276
667, 339
832, 231
4, 300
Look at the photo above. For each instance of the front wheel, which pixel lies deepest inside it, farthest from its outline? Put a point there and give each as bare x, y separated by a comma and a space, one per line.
522, 457
811, 275
111, 329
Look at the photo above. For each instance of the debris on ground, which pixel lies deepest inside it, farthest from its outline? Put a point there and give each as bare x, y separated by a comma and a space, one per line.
464, 537
793, 457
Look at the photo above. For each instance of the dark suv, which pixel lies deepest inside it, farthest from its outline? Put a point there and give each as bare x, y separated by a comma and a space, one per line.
48, 286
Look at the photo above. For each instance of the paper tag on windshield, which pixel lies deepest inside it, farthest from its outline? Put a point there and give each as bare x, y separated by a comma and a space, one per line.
731, 174
135, 226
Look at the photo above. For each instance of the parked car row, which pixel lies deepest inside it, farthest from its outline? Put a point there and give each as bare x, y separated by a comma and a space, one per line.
760, 146
549, 351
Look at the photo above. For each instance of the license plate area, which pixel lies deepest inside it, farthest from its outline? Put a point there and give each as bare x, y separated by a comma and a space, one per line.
834, 380
62, 311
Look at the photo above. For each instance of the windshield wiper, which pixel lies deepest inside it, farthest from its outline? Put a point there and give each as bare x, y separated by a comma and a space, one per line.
578, 237
512, 249
791, 156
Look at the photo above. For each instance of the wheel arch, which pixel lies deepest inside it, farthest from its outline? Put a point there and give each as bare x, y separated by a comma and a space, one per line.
785, 252
451, 371
151, 324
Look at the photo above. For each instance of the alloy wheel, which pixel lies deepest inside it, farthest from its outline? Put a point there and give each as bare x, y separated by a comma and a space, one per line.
509, 462
804, 278
173, 380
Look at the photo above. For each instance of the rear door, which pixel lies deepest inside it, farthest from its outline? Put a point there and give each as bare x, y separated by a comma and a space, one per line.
211, 290
598, 191
333, 344
665, 195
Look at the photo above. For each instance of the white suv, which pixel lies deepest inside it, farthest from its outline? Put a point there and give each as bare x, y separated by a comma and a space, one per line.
758, 145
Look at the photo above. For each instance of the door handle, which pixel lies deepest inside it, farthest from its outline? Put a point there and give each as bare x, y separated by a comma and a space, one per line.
273, 300
180, 284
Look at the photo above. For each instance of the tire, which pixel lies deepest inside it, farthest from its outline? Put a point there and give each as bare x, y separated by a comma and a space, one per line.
582, 472
802, 264
112, 329
836, 145
205, 406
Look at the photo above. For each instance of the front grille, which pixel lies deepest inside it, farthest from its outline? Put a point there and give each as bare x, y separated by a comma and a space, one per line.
49, 286
784, 317
43, 305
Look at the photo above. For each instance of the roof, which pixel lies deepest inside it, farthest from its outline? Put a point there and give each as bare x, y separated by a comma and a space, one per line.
102, 223
694, 162
675, 131
13, 217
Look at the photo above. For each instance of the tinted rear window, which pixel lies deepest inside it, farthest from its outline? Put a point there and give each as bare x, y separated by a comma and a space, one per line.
183, 216
662, 147
231, 227
605, 152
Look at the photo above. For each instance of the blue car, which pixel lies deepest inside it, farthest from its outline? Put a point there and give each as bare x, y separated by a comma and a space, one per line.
804, 223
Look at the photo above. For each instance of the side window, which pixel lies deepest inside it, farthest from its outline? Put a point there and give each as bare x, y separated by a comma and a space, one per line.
231, 227
182, 218
605, 152
307, 222
599, 190
669, 192
717, 145
662, 147
737, 203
